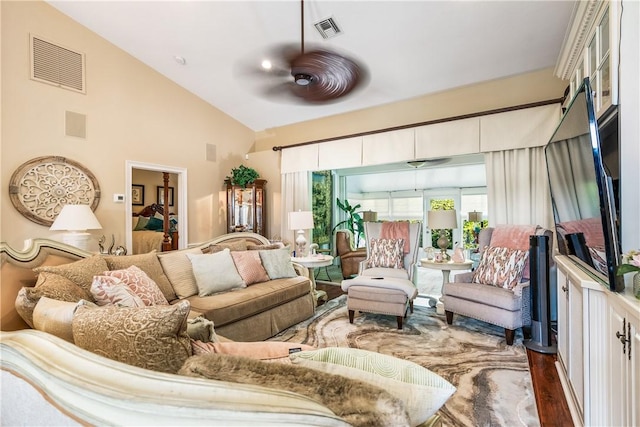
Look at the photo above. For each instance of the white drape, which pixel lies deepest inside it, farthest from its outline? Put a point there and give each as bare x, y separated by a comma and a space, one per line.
518, 187
296, 195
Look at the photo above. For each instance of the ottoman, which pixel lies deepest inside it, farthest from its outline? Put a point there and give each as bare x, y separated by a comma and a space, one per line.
380, 295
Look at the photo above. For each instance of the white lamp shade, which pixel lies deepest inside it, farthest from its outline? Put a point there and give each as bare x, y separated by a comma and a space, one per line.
301, 220
76, 218
442, 219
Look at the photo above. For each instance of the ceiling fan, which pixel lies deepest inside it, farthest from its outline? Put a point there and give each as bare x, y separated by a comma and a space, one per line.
316, 76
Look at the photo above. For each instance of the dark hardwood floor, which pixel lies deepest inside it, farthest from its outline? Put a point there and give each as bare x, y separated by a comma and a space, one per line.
550, 400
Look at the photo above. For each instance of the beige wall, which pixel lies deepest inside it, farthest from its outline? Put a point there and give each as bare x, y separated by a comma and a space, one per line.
133, 113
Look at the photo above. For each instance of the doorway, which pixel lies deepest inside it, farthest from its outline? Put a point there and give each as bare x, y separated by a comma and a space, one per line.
181, 196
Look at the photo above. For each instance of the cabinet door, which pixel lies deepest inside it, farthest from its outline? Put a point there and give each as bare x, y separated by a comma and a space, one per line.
563, 318
576, 343
633, 374
618, 364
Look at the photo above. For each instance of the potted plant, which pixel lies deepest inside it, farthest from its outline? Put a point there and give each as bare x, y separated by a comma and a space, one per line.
353, 223
242, 175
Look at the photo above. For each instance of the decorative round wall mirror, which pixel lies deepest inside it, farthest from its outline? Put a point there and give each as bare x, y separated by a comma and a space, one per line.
40, 187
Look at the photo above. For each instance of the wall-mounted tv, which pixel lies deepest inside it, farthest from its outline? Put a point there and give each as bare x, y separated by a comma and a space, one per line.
582, 192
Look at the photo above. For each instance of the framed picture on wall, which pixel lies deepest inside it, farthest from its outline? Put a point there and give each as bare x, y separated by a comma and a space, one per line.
161, 195
137, 195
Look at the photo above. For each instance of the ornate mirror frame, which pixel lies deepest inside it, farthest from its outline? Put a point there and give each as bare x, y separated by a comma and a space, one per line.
40, 187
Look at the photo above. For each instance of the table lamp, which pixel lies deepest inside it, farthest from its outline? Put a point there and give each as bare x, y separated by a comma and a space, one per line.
300, 220
443, 220
76, 220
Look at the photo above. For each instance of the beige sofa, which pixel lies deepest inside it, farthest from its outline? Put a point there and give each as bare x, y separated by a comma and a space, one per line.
47, 380
254, 313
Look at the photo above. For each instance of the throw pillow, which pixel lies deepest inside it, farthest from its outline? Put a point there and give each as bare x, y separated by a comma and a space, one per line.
141, 224
358, 403
141, 285
387, 253
54, 317
215, 272
107, 290
266, 351
80, 272
252, 247
58, 287
148, 263
422, 391
152, 337
250, 267
154, 224
277, 263
177, 267
501, 267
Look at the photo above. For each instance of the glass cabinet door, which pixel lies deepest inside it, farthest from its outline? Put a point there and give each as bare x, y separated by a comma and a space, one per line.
245, 207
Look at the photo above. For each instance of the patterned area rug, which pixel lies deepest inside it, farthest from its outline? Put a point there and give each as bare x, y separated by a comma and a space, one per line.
492, 379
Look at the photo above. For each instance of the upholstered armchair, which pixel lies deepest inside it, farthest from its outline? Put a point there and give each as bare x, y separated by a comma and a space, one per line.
350, 257
498, 291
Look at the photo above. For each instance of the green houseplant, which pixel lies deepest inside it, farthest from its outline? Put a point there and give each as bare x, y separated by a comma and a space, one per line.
353, 223
242, 175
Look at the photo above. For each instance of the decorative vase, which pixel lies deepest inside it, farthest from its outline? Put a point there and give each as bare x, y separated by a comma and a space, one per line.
636, 285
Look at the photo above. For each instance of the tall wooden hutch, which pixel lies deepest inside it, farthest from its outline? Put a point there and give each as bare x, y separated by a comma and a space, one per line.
246, 210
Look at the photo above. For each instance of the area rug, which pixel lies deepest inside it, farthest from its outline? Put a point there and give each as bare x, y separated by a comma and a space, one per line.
492, 379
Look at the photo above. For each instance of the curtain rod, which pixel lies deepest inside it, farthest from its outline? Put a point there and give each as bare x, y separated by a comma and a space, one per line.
429, 122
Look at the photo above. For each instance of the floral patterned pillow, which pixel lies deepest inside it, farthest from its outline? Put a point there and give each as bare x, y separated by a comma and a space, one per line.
501, 267
141, 285
108, 290
387, 253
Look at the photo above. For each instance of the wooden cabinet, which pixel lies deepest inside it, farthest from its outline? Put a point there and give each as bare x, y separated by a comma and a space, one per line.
246, 208
598, 346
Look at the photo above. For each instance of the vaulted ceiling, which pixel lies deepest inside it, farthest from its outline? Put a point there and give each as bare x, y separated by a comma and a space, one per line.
409, 48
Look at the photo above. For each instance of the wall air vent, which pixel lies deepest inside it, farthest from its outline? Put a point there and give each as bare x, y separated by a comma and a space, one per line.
56, 65
328, 28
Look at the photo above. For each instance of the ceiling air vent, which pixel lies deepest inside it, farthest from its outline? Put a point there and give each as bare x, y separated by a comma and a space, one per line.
56, 65
328, 28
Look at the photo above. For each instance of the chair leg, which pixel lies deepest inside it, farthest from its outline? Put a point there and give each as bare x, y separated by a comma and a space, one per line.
411, 305
399, 318
509, 334
449, 315
351, 313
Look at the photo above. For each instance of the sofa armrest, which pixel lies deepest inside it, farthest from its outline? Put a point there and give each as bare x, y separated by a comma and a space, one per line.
301, 270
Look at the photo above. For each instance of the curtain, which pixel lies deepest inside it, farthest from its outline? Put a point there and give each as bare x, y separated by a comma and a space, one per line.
296, 195
518, 187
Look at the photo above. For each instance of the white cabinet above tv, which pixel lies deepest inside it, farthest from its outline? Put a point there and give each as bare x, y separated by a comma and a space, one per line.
591, 50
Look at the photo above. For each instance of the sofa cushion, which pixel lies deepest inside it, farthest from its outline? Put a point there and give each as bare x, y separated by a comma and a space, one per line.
80, 272
422, 391
107, 290
277, 263
141, 285
249, 267
356, 402
215, 272
148, 263
486, 295
228, 307
153, 337
177, 267
501, 267
387, 253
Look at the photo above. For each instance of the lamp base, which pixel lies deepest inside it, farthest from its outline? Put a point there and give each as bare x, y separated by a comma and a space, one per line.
301, 243
443, 244
77, 239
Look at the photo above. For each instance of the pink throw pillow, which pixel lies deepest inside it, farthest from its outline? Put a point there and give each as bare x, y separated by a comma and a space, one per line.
108, 290
250, 267
141, 285
265, 351
501, 267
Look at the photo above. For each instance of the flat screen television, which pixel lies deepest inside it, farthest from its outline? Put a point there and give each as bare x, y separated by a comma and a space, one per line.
582, 192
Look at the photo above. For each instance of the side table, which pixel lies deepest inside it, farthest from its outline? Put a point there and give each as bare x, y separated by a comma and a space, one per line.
312, 262
446, 268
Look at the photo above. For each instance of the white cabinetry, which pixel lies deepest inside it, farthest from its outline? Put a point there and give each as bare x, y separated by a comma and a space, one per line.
598, 346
